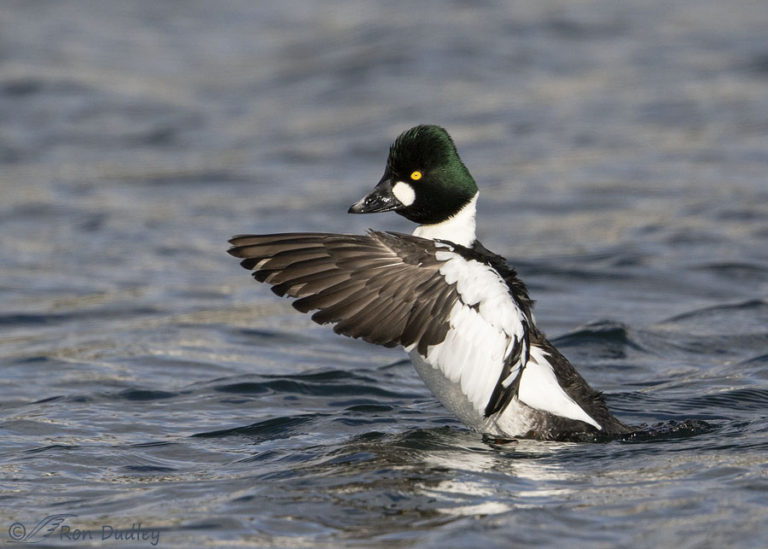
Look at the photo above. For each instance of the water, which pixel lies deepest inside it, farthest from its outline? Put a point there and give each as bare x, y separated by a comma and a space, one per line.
621, 155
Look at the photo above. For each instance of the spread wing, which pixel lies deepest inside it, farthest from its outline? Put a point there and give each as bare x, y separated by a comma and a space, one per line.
378, 287
393, 289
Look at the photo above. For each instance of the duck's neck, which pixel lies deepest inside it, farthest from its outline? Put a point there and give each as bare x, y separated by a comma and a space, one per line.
459, 228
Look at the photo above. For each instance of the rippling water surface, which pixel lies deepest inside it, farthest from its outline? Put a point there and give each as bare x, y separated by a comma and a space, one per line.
621, 151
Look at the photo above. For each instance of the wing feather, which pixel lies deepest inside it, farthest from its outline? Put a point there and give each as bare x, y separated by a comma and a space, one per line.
329, 297
309, 284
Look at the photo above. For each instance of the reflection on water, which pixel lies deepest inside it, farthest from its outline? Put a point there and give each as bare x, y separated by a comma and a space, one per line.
479, 482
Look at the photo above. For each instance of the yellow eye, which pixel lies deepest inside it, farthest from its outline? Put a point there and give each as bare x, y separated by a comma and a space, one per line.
416, 175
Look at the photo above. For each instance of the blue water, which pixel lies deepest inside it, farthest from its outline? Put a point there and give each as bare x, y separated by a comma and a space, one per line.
149, 385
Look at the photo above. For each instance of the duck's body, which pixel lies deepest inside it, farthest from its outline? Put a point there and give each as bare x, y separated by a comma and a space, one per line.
458, 309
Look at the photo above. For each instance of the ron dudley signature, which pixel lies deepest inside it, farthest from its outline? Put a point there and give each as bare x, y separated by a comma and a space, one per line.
53, 527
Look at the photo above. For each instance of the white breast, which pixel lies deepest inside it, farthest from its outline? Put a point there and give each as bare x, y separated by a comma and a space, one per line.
459, 229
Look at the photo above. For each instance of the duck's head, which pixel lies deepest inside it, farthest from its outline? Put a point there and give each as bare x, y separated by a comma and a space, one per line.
424, 181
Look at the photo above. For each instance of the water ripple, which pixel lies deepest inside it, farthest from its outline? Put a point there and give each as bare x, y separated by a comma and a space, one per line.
270, 429
147, 380
604, 339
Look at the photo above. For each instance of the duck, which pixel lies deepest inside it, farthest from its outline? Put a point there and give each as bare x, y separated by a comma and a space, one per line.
459, 310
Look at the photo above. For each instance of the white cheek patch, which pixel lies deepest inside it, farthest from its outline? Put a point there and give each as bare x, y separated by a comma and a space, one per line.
404, 193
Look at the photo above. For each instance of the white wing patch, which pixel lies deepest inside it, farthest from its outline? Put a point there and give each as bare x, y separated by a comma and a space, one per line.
485, 326
539, 389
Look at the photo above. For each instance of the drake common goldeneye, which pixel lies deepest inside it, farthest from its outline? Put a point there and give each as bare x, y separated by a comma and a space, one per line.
457, 308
